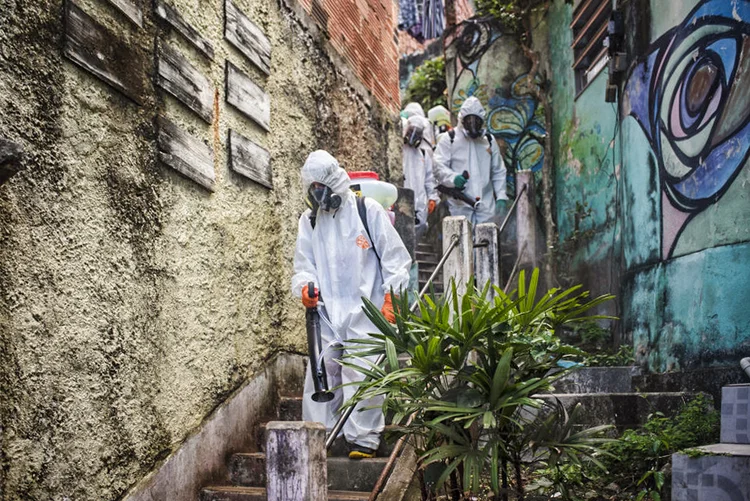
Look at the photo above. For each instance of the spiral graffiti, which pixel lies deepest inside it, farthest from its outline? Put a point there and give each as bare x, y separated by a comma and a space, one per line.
690, 96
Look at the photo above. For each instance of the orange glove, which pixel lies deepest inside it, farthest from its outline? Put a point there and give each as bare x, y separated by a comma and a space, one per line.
309, 302
431, 206
387, 309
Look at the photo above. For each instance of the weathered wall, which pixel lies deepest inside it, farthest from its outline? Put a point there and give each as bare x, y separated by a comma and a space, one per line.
133, 300
586, 170
364, 33
484, 61
686, 137
664, 177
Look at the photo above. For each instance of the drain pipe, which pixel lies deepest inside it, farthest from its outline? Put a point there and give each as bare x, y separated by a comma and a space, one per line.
745, 364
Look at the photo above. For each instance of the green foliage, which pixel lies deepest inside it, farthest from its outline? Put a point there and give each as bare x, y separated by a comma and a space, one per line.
427, 85
636, 463
508, 12
469, 395
623, 356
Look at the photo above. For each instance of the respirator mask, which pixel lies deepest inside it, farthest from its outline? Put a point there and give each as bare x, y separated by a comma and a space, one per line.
413, 135
320, 196
473, 125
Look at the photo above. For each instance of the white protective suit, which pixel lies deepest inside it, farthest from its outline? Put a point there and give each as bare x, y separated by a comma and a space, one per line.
417, 163
337, 256
483, 162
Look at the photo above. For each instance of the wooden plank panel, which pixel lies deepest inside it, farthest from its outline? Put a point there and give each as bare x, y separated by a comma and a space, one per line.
181, 79
250, 159
247, 37
246, 96
131, 10
186, 154
95, 49
168, 13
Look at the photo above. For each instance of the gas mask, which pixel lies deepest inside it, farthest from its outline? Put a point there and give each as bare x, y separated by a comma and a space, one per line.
320, 196
473, 125
413, 135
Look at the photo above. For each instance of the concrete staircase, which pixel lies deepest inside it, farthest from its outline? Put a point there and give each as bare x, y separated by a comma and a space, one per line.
608, 397
427, 259
348, 480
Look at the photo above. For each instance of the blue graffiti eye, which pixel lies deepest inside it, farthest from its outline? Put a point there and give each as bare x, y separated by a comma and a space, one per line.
701, 115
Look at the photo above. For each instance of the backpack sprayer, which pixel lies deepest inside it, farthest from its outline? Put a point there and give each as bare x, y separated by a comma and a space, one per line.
315, 348
458, 193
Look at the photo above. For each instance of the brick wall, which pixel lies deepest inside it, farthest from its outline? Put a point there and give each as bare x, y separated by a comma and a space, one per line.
362, 31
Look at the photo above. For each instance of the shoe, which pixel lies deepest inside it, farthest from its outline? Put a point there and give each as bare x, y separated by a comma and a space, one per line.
360, 452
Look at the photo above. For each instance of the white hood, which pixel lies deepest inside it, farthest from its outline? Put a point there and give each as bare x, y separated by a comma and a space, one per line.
472, 106
413, 109
322, 167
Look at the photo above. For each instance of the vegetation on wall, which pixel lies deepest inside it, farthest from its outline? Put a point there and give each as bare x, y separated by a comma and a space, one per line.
427, 85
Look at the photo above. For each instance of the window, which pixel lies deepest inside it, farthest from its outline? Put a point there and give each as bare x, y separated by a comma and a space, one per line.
590, 20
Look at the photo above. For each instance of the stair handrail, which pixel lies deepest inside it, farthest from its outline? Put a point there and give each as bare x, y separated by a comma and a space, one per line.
381, 358
512, 208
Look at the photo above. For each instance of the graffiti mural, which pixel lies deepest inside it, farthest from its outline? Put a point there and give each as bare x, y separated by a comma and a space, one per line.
481, 61
690, 97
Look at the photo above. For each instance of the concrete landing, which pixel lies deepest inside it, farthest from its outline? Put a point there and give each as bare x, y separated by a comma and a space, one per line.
722, 473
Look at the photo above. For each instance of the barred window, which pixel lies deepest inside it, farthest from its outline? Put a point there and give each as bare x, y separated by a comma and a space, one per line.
590, 19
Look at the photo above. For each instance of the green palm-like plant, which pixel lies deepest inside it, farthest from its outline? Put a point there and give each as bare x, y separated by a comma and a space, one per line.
468, 396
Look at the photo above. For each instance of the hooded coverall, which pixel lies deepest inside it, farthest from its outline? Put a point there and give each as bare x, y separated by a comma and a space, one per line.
338, 256
483, 162
418, 177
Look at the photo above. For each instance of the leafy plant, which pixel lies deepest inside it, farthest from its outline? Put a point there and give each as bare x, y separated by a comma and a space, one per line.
637, 462
469, 397
427, 85
623, 356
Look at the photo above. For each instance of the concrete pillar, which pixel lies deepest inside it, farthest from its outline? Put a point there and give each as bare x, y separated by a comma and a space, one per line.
460, 265
487, 256
296, 461
526, 221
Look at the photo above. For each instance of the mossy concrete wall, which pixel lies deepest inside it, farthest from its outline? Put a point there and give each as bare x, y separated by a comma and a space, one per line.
651, 192
132, 301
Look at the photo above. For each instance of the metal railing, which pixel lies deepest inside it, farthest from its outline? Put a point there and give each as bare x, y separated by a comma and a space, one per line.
523, 249
381, 358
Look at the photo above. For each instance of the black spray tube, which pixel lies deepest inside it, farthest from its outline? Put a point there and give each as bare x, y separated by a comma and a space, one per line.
315, 347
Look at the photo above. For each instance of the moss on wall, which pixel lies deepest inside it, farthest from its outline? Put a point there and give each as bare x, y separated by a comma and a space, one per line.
133, 301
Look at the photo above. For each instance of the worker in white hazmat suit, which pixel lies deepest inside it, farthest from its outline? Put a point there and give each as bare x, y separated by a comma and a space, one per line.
418, 177
470, 148
346, 261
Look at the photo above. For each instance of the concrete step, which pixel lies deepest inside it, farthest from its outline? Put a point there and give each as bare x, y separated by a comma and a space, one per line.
424, 275
232, 493
598, 380
426, 257
339, 448
290, 408
344, 474
248, 469
624, 410
712, 473
354, 474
